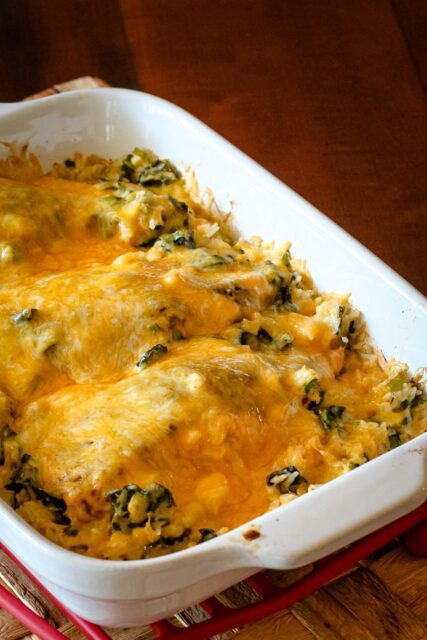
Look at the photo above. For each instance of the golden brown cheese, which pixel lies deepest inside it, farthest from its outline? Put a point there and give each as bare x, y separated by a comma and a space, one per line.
162, 381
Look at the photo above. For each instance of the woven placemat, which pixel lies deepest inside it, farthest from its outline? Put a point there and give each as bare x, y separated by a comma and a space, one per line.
382, 598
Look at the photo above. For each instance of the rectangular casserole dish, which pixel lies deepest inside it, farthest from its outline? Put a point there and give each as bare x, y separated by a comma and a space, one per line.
109, 122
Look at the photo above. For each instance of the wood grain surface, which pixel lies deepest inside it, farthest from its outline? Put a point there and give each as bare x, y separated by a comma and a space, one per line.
328, 95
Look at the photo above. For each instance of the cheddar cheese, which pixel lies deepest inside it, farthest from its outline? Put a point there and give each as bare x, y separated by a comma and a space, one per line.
161, 379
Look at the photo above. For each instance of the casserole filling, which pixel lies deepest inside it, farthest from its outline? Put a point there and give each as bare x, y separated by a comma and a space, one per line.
163, 380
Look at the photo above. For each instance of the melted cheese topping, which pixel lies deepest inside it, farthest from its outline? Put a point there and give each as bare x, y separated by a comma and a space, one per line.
160, 381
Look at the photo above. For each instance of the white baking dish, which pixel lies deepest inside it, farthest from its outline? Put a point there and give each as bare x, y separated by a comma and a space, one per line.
110, 122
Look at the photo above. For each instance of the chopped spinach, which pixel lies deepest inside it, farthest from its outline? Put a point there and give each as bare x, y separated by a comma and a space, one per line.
179, 239
207, 534
151, 355
205, 260
310, 386
264, 340
284, 295
417, 399
255, 341
314, 405
25, 475
160, 496
313, 395
148, 244
272, 273
264, 337
138, 169
121, 499
330, 417
296, 278
287, 480
169, 541
159, 173
284, 298
352, 334
353, 464
394, 439
25, 486
229, 289
179, 205
164, 542
127, 170
133, 507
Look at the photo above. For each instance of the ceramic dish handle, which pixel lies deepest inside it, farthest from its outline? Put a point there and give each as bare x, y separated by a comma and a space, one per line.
341, 512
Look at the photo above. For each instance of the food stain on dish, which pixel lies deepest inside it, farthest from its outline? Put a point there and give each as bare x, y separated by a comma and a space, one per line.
252, 534
162, 380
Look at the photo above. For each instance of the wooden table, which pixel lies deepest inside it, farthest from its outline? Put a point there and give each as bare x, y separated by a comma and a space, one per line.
329, 95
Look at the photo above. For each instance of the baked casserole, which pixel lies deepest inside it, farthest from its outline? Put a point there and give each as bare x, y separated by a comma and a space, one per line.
162, 380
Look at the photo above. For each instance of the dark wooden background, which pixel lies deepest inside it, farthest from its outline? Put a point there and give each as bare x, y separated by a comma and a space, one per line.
329, 95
